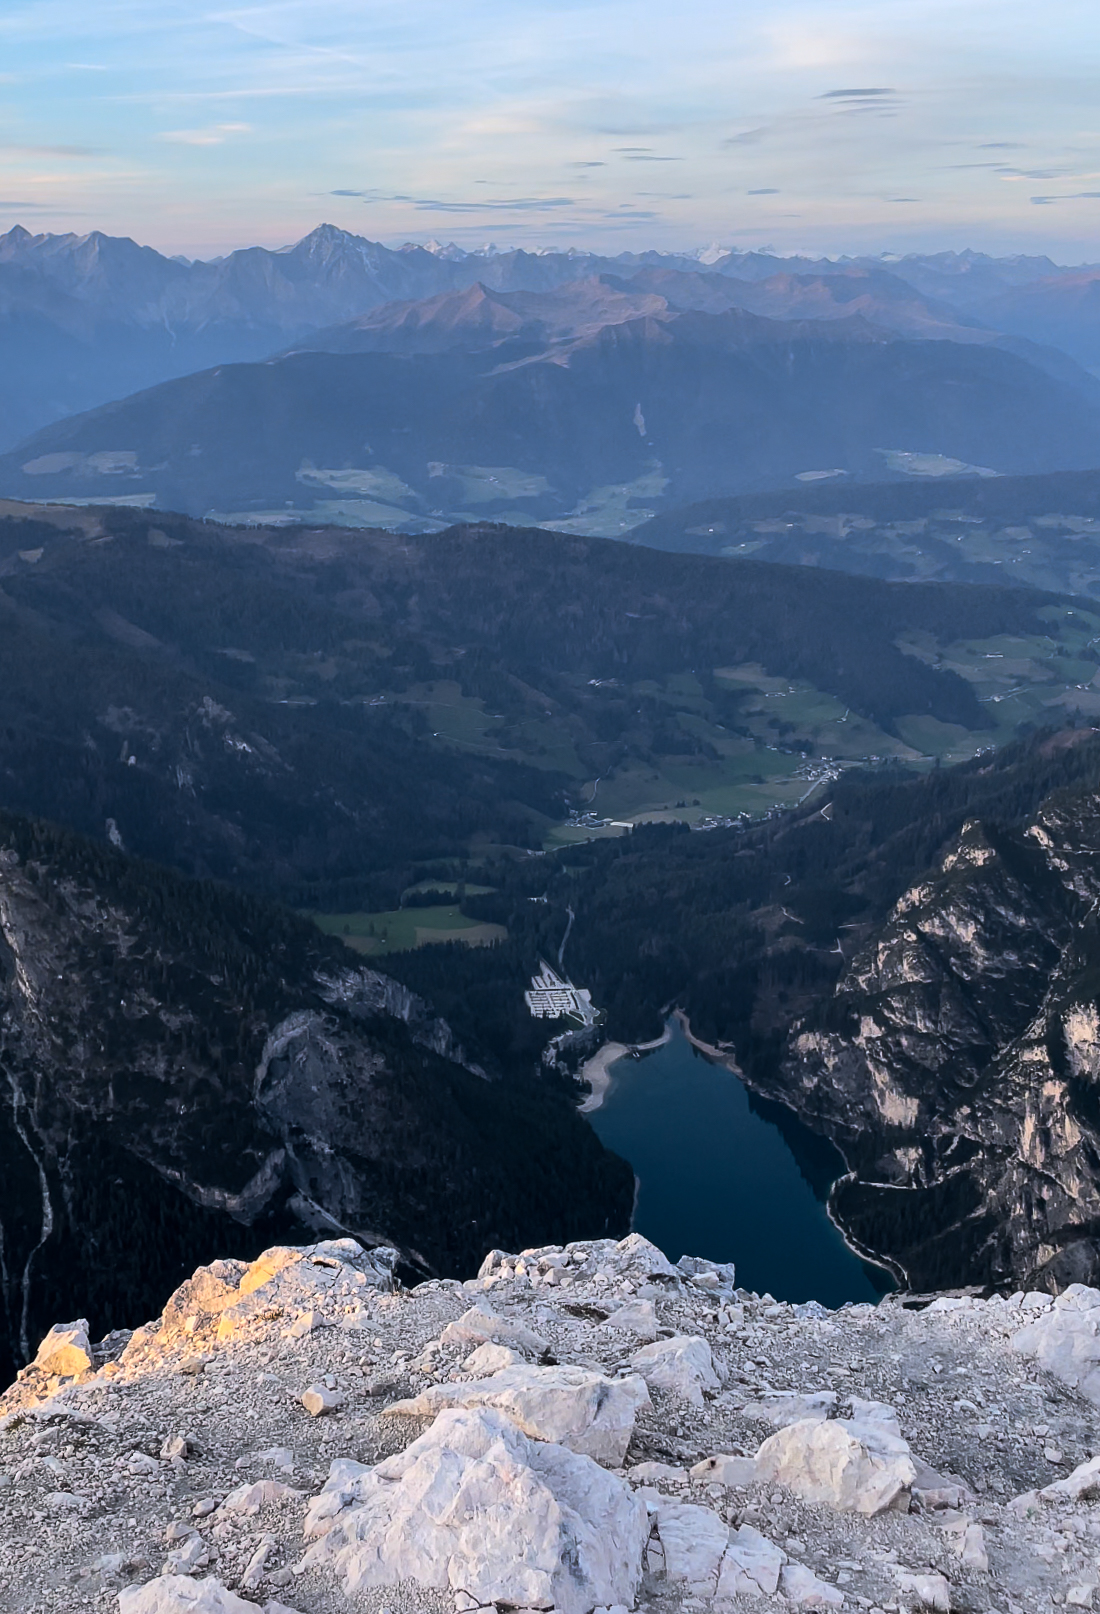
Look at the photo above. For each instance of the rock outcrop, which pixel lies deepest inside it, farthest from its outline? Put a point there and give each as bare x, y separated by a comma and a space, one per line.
958, 1065
871, 1458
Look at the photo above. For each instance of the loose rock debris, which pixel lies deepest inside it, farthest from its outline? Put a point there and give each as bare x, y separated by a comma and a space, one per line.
577, 1429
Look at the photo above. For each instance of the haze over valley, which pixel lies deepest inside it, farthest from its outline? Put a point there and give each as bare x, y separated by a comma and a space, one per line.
549, 808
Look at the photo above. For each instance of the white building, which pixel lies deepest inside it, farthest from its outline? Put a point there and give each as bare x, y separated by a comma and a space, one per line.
552, 998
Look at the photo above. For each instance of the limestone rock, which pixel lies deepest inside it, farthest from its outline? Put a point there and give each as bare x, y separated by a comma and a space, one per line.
637, 1317
475, 1505
694, 1541
635, 1257
249, 1499
66, 1350
311, 1283
682, 1365
853, 1467
800, 1585
715, 1277
192, 1554
1066, 1340
178, 1594
699, 1552
934, 1490
200, 1299
488, 1359
1083, 1485
480, 1326
781, 1408
972, 1549
319, 1399
339, 1491
571, 1406
929, 1591
751, 1564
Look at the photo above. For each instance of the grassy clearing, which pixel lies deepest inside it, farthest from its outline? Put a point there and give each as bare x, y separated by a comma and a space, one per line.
776, 733
608, 512
402, 929
486, 484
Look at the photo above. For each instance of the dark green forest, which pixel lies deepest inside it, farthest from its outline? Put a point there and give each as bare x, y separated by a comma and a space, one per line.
167, 991
250, 704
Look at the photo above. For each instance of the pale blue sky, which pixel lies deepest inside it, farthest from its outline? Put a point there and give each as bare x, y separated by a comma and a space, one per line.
800, 124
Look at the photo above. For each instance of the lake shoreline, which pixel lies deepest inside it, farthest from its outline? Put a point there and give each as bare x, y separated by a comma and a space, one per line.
724, 1056
597, 1070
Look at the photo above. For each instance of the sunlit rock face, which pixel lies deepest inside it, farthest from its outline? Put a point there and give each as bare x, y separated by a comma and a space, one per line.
962, 1082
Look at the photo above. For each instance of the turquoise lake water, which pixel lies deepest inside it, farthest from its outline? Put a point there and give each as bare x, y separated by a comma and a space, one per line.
729, 1176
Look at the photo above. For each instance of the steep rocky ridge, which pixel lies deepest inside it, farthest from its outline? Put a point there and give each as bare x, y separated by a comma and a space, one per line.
187, 1070
958, 1060
578, 1428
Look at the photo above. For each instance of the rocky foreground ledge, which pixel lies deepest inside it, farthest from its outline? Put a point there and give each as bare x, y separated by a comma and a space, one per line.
575, 1429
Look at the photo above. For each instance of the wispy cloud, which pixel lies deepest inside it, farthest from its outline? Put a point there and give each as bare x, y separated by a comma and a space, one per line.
476, 111
431, 204
215, 136
10, 149
1074, 196
855, 95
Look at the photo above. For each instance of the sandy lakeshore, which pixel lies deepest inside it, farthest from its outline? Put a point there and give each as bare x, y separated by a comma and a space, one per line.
597, 1070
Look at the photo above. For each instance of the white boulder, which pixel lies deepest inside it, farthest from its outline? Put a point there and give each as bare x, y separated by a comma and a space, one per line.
1065, 1339
636, 1258
476, 1506
179, 1594
340, 1490
779, 1407
682, 1365
752, 1564
571, 1406
927, 1591
66, 1350
853, 1467
637, 1317
480, 1326
319, 1399
487, 1359
694, 1541
249, 1499
1083, 1485
700, 1553
800, 1585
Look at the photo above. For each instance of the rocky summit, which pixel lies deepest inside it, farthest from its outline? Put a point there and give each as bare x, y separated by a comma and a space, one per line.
580, 1428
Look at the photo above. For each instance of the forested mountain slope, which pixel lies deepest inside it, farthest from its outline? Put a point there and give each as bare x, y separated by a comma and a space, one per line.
296, 710
190, 1072
594, 432
1035, 531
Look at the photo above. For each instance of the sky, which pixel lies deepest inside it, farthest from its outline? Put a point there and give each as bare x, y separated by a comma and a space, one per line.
799, 125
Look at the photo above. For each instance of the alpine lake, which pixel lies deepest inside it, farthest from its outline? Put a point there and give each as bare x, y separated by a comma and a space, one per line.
730, 1176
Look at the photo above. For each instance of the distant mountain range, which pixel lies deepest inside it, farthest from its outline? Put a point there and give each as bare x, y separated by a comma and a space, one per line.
340, 380
591, 407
